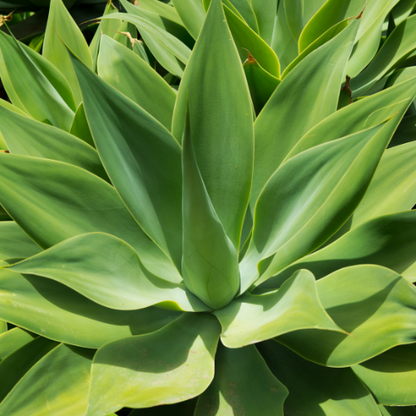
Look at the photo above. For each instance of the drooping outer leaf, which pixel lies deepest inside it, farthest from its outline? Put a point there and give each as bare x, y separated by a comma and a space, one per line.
12, 340
360, 115
315, 390
309, 198
167, 366
50, 100
63, 378
14, 242
391, 376
220, 120
387, 241
374, 304
57, 312
133, 77
296, 100
53, 201
25, 136
62, 30
16, 365
108, 271
141, 157
243, 384
393, 188
254, 318
210, 263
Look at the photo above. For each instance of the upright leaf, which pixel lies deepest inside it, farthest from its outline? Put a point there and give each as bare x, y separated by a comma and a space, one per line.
265, 12
62, 30
292, 100
220, 120
141, 157
192, 14
209, 264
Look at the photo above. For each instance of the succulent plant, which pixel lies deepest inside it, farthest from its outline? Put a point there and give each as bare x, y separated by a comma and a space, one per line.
239, 242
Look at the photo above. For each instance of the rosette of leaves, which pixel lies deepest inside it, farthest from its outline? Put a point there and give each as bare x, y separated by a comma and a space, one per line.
171, 252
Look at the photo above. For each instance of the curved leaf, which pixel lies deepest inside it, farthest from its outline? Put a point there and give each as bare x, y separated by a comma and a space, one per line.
210, 262
374, 304
12, 340
303, 86
315, 390
192, 14
330, 180
254, 318
133, 77
108, 271
80, 128
40, 193
28, 137
391, 376
243, 384
265, 12
141, 372
63, 378
220, 120
397, 411
31, 301
62, 30
141, 157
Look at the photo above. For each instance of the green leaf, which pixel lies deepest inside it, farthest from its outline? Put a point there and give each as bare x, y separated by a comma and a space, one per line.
142, 372
63, 378
397, 411
245, 10
393, 188
14, 242
301, 88
3, 327
40, 194
386, 241
16, 365
402, 11
260, 82
247, 39
265, 12
391, 376
243, 384
330, 181
315, 390
50, 99
145, 168
374, 304
133, 77
210, 263
108, 271
397, 46
185, 408
62, 31
80, 128
220, 120
31, 301
192, 14
25, 136
254, 318
406, 132
360, 115
12, 340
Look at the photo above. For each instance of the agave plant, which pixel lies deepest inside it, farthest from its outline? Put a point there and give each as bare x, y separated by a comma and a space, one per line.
239, 244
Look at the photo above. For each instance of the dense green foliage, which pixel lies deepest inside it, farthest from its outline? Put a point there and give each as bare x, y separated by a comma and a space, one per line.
215, 219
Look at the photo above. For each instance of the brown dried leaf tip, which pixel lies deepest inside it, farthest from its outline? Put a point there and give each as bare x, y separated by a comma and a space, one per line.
347, 88
5, 19
4, 151
362, 11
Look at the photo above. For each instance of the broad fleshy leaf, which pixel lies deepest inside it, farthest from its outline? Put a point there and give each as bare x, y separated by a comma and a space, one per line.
391, 376
167, 366
293, 99
63, 378
220, 119
387, 241
31, 301
142, 159
374, 304
133, 77
62, 30
108, 271
254, 318
192, 14
243, 384
40, 194
315, 390
12, 340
